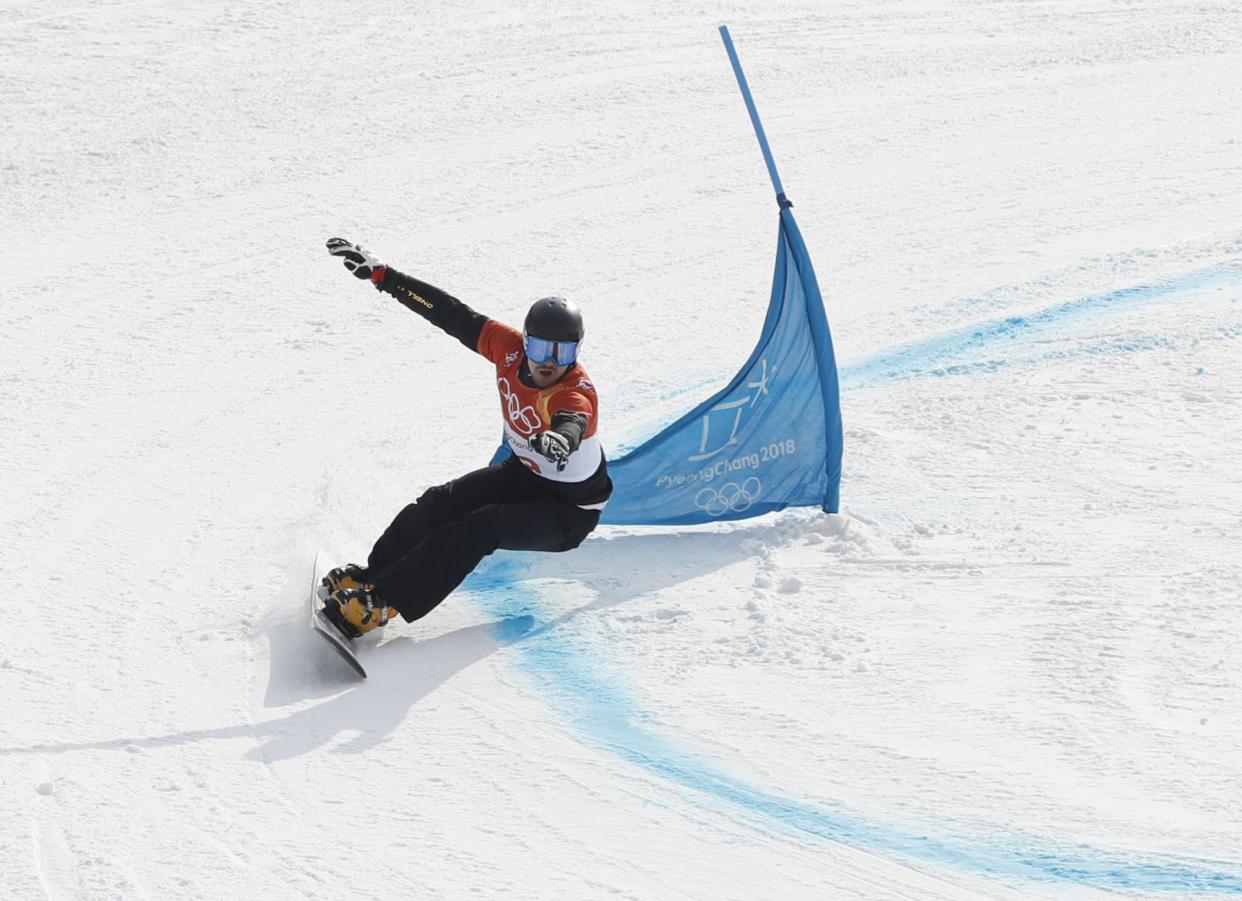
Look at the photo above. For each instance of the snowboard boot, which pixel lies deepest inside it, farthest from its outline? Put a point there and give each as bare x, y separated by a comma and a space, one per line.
356, 611
351, 575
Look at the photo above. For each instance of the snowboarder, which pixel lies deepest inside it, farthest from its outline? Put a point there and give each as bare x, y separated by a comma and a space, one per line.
546, 496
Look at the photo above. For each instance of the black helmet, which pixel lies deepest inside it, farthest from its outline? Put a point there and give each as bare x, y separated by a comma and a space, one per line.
554, 319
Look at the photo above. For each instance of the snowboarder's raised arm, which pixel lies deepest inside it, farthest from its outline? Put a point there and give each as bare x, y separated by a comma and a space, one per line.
438, 307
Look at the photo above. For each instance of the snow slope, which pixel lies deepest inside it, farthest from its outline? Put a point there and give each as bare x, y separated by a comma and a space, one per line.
1010, 669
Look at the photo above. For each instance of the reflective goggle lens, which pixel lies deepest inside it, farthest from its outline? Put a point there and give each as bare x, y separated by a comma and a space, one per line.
540, 349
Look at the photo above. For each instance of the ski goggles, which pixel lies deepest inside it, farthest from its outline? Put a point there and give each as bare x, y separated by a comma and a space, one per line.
540, 349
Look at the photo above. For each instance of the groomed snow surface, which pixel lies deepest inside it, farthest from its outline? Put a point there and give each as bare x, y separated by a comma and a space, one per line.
1010, 668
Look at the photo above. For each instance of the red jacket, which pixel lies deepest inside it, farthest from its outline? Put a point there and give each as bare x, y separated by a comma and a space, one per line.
570, 406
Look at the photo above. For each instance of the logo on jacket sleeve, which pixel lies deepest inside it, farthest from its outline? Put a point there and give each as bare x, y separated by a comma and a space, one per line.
417, 299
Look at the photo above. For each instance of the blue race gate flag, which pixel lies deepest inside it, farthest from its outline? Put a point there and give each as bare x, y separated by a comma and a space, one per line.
772, 438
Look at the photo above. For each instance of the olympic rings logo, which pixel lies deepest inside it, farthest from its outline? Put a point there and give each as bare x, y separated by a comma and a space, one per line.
729, 497
526, 419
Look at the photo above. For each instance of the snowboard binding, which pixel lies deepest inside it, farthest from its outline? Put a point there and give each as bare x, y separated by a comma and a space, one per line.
351, 575
356, 611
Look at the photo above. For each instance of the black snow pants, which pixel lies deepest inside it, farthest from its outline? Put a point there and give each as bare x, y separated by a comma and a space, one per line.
439, 539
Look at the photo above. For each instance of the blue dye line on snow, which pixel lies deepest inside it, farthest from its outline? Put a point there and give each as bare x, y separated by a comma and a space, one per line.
604, 715
958, 352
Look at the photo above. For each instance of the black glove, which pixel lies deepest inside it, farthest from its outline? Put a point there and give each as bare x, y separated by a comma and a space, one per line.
358, 260
552, 445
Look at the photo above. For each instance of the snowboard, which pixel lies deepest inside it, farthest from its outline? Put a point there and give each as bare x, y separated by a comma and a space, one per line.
321, 625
